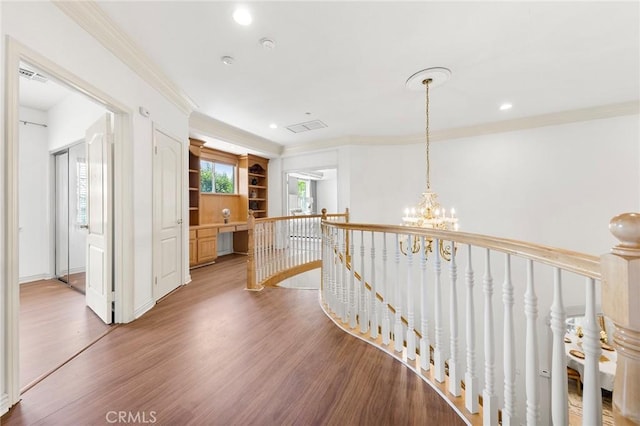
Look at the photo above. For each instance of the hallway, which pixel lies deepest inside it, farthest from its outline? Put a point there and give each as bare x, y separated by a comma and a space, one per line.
213, 353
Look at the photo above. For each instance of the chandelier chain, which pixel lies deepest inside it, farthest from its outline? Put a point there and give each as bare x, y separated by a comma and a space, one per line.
426, 131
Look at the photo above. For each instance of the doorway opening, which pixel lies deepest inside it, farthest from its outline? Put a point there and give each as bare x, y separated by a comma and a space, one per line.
309, 191
119, 252
55, 323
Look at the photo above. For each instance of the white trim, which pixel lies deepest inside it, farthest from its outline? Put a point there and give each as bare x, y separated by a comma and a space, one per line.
123, 249
89, 16
144, 308
524, 123
4, 404
37, 277
207, 126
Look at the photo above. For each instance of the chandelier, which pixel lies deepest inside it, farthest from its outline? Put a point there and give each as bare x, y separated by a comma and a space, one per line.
429, 213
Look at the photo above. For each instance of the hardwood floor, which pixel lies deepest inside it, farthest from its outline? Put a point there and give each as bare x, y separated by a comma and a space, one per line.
212, 353
55, 324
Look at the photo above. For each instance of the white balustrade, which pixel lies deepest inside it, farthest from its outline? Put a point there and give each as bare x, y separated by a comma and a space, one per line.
438, 356
425, 344
559, 392
489, 397
398, 343
361, 295
509, 349
531, 349
472, 384
454, 374
373, 309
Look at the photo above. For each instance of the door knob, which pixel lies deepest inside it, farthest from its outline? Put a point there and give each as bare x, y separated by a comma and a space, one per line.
179, 221
85, 226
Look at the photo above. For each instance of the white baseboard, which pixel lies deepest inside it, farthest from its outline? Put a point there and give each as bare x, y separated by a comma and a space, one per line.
4, 404
30, 278
138, 312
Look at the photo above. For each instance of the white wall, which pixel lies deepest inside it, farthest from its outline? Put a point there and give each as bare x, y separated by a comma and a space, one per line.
327, 190
34, 198
556, 185
70, 118
41, 26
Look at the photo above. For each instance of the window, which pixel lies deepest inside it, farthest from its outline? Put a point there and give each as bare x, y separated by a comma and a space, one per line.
217, 178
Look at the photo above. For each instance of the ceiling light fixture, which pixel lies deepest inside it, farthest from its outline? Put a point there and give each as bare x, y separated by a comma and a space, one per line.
227, 60
428, 213
273, 125
267, 43
242, 16
505, 106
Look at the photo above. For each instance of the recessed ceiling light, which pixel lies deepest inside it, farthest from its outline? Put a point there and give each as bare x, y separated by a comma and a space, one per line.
242, 16
267, 43
227, 60
505, 106
273, 125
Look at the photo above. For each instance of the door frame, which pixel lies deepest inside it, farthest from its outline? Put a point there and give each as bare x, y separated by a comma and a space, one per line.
155, 262
15, 52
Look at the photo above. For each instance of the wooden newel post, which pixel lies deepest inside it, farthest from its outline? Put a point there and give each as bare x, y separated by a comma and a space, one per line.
324, 214
621, 303
251, 264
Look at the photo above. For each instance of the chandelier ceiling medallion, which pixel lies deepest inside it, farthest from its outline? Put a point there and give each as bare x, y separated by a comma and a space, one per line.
429, 213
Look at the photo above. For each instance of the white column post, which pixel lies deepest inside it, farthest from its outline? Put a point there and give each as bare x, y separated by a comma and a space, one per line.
621, 303
489, 398
472, 384
509, 355
425, 344
454, 374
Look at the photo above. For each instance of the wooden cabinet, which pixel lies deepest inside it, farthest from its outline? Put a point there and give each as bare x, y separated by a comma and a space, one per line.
254, 184
205, 208
207, 247
195, 148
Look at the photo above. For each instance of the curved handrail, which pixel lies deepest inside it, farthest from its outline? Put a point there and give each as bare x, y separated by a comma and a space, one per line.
580, 263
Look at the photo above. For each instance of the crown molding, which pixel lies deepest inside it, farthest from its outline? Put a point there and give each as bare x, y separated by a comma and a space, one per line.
89, 16
544, 120
203, 124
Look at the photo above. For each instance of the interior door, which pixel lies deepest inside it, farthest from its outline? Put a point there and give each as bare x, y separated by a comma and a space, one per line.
99, 277
167, 201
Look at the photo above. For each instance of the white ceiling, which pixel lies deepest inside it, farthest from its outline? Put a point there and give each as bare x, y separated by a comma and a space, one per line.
347, 62
41, 95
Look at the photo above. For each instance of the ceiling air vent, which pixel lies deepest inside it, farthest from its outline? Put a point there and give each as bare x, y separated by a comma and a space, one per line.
305, 127
32, 75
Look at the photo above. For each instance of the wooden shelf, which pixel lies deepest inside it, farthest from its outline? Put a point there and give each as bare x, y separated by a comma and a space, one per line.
193, 189
193, 208
257, 175
194, 171
257, 199
258, 186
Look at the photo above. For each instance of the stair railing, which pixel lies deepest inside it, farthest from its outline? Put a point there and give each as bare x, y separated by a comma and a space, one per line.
400, 287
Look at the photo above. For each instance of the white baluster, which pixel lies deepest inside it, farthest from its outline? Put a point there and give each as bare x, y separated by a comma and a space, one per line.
531, 349
592, 395
386, 322
472, 384
411, 336
438, 356
334, 283
425, 344
364, 322
508, 347
454, 375
344, 294
559, 392
353, 313
373, 311
489, 398
397, 300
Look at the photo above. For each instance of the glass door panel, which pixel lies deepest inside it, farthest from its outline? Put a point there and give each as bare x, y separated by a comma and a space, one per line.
77, 216
62, 216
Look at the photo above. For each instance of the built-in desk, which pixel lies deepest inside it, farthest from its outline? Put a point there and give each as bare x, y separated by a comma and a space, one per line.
203, 241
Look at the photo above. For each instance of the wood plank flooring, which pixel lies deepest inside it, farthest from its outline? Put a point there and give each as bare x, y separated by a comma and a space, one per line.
212, 353
55, 324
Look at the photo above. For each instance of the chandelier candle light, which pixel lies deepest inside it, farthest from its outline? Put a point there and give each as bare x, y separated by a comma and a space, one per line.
429, 213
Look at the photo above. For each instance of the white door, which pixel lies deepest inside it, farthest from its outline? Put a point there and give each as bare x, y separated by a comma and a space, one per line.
99, 277
167, 213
